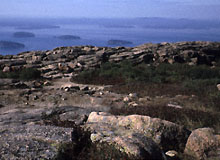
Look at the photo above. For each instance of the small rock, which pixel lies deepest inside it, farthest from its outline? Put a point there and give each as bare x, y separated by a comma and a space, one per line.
218, 86
126, 99
175, 106
95, 137
67, 89
144, 99
6, 69
172, 154
133, 95
35, 97
47, 83
79, 64
37, 84
133, 104
57, 76
101, 93
84, 88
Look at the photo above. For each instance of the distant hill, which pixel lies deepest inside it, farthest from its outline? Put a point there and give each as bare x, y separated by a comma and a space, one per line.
171, 23
118, 42
11, 45
68, 37
144, 22
23, 35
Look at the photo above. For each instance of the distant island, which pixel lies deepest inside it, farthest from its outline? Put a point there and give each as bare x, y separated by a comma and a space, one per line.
68, 37
23, 35
118, 26
32, 27
118, 42
11, 45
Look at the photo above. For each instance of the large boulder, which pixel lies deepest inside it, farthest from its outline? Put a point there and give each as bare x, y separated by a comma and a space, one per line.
203, 144
139, 132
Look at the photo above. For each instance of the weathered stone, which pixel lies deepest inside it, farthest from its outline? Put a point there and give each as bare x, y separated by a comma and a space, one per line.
127, 99
203, 144
133, 132
133, 104
6, 69
36, 58
172, 155
135, 144
72, 65
218, 86
167, 135
32, 141
63, 67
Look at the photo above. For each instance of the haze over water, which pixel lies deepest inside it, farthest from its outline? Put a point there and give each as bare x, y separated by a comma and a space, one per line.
186, 20
97, 32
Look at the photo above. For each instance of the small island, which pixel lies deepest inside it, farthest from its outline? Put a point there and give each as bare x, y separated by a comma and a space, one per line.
23, 35
68, 37
118, 42
38, 26
119, 26
11, 45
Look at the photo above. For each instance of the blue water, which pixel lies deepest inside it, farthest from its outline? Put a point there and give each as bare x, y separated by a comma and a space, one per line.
98, 35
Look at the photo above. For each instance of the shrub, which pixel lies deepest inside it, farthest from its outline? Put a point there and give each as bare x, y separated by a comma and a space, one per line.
201, 85
163, 73
29, 74
166, 79
24, 74
202, 72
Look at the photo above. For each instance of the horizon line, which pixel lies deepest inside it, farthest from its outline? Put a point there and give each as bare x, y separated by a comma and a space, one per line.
60, 17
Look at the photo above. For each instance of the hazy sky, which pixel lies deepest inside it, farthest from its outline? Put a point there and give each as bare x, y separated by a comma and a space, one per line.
111, 8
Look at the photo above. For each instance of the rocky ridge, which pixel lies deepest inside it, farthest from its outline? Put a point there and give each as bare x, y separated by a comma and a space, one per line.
64, 60
23, 105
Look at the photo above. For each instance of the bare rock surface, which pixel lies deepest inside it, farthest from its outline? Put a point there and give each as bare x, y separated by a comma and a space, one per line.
65, 60
24, 104
31, 141
23, 135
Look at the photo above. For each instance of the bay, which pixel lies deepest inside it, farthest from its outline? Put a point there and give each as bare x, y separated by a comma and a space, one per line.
98, 34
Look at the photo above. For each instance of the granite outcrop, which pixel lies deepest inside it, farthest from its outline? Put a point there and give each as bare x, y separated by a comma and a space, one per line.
24, 105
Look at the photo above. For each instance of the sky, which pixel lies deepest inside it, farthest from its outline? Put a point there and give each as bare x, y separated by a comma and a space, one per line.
194, 9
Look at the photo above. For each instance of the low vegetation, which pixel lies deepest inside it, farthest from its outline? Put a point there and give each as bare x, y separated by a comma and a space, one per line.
166, 80
126, 72
23, 74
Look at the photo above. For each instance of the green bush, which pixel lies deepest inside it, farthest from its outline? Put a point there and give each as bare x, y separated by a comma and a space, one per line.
12, 75
29, 74
23, 74
199, 80
164, 73
201, 85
